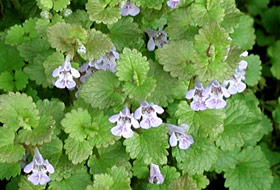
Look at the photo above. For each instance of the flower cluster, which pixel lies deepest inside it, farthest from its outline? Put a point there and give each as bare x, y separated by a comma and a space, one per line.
173, 3
39, 168
156, 39
125, 120
106, 63
129, 8
212, 97
65, 74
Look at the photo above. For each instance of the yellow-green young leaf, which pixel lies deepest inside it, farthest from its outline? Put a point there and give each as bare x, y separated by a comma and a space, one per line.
124, 33
52, 62
211, 47
180, 25
57, 5
9, 170
155, 4
150, 146
198, 158
208, 123
15, 35
18, 110
184, 182
80, 180
101, 181
77, 151
66, 37
175, 58
253, 71
9, 151
97, 45
251, 171
244, 34
204, 12
108, 157
170, 174
24, 184
102, 12
101, 90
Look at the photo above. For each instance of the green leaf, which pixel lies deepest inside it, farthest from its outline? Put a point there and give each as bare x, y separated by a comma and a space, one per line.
253, 72
243, 121
140, 92
101, 182
124, 32
226, 160
102, 12
276, 114
9, 151
155, 4
103, 137
52, 62
39, 134
184, 182
9, 58
97, 45
132, 67
101, 90
180, 25
201, 181
25, 184
18, 110
15, 35
140, 169
79, 17
77, 151
57, 5
6, 81
275, 59
36, 70
244, 34
163, 93
65, 37
175, 58
20, 80
251, 172
208, 123
150, 146
204, 12
270, 19
45, 4
198, 158
170, 174
272, 157
52, 150
107, 158
211, 47
256, 7
77, 124
29, 50
9, 170
78, 181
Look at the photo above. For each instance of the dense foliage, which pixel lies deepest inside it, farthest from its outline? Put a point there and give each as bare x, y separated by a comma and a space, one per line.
139, 94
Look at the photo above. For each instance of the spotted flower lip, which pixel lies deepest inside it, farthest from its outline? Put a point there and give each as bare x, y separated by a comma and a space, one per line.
199, 95
39, 168
173, 3
129, 8
156, 39
156, 176
178, 134
125, 120
65, 74
148, 112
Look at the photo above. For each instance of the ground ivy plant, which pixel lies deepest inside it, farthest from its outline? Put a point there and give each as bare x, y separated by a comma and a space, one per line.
137, 94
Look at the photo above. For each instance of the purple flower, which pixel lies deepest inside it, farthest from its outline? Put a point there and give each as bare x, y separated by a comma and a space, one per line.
216, 94
88, 71
156, 39
65, 74
129, 8
39, 168
107, 62
178, 134
173, 3
124, 122
199, 96
155, 175
149, 112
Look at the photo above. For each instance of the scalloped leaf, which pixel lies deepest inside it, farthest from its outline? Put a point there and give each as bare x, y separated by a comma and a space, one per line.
101, 90
9, 170
198, 158
52, 62
57, 5
77, 151
100, 163
155, 4
175, 58
25, 184
97, 45
150, 146
18, 110
102, 12
253, 71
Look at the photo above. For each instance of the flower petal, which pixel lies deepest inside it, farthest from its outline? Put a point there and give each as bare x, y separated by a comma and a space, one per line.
114, 118
151, 44
173, 141
29, 167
